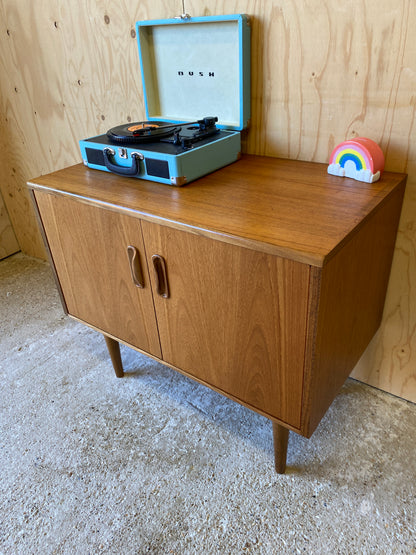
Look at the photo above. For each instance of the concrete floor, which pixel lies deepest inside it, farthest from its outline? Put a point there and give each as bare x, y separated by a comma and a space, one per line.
154, 463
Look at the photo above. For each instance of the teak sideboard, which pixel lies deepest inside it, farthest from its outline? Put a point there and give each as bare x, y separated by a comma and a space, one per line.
264, 280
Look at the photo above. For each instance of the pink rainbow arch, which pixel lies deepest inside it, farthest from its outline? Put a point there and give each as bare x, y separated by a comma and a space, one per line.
360, 158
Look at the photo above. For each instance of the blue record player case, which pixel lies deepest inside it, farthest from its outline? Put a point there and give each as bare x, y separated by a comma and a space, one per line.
196, 83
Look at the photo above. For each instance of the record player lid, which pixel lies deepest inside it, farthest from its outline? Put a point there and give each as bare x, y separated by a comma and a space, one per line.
194, 66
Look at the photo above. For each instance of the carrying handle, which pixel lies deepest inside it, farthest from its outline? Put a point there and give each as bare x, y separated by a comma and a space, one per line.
129, 171
135, 266
159, 266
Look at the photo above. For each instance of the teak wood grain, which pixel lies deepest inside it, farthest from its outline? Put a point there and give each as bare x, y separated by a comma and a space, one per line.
235, 318
89, 251
347, 300
272, 318
288, 208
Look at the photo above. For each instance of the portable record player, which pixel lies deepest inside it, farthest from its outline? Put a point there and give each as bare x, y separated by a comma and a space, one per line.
196, 84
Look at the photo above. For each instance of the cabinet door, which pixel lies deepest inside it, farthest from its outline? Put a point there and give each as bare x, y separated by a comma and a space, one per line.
234, 318
89, 249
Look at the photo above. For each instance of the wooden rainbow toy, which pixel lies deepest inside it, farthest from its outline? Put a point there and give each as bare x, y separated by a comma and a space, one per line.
361, 158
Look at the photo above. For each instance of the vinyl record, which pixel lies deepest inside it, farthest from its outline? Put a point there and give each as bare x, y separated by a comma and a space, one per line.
141, 131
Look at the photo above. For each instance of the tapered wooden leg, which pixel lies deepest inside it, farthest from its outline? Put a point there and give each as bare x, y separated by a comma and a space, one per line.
281, 439
113, 347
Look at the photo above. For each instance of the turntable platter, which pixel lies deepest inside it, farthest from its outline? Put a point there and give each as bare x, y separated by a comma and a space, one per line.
141, 132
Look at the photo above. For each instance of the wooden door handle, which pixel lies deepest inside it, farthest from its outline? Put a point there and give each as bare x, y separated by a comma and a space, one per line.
162, 286
135, 266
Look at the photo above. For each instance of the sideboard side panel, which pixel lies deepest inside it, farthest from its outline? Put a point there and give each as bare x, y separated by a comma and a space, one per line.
351, 294
47, 249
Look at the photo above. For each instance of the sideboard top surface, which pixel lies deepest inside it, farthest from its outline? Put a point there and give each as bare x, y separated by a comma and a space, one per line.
290, 208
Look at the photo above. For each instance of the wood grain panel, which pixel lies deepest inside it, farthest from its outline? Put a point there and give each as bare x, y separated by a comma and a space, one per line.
89, 250
236, 318
352, 289
322, 72
284, 207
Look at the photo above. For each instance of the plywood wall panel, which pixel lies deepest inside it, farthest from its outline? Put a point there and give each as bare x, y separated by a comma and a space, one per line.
323, 71
73, 72
389, 363
8, 241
